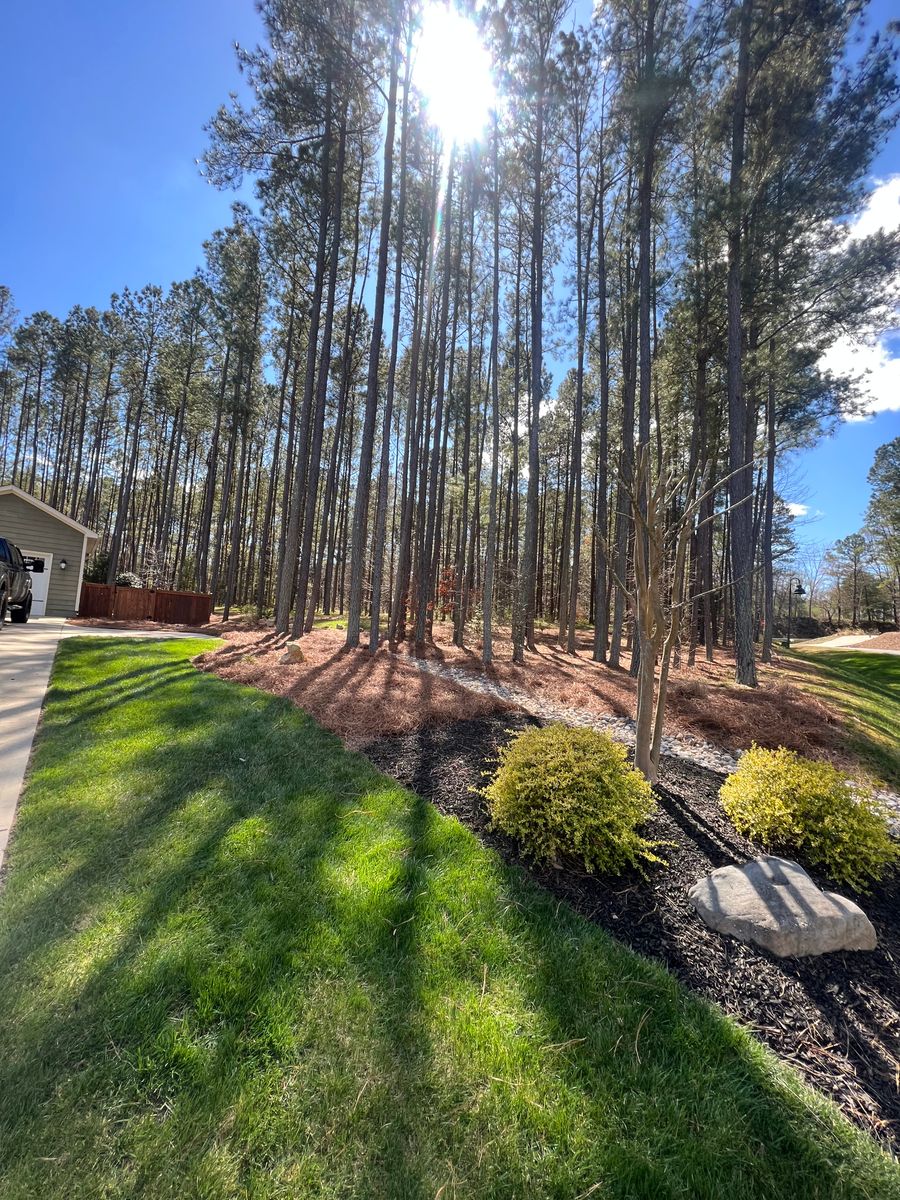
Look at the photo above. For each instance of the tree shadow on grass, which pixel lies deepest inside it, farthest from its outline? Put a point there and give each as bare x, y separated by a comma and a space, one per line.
867, 686
305, 981
447, 762
169, 863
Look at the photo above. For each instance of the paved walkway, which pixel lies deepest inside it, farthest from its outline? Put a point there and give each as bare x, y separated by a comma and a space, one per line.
844, 641
832, 641
26, 659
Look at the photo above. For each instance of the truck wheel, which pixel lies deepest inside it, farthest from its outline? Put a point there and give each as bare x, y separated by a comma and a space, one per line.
21, 615
2, 608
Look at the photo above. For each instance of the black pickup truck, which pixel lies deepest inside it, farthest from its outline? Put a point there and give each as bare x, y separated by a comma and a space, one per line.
15, 584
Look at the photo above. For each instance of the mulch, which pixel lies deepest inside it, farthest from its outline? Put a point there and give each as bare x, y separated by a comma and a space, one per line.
835, 1018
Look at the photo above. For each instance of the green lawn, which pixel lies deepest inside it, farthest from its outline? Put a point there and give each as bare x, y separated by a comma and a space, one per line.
338, 622
239, 962
865, 687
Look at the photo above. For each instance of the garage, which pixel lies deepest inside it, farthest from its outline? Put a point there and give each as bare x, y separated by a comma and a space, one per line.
55, 548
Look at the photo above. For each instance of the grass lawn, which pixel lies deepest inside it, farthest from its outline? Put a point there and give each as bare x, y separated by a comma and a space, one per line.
239, 962
865, 687
339, 622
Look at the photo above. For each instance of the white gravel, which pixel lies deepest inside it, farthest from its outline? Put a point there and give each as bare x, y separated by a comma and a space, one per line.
692, 749
684, 746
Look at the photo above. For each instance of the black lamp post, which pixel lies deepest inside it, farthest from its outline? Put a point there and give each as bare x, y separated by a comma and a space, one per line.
800, 590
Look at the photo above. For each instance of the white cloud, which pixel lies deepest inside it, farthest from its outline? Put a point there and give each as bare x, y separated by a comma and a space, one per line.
797, 510
882, 210
873, 368
871, 365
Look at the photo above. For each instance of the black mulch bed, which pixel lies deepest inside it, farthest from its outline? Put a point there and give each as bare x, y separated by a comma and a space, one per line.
836, 1017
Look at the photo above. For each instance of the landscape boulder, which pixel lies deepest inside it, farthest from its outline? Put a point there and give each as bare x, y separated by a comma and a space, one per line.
774, 903
293, 653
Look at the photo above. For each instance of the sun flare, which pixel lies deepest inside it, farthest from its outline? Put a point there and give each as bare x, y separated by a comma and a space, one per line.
453, 75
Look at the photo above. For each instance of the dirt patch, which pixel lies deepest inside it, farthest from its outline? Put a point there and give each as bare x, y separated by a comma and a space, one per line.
835, 1018
354, 693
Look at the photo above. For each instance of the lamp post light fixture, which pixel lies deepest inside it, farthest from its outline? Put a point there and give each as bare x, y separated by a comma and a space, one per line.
799, 590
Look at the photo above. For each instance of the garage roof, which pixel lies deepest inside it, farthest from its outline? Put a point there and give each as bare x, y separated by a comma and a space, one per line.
10, 489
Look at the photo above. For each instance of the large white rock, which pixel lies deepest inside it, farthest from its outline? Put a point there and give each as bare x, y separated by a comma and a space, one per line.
773, 902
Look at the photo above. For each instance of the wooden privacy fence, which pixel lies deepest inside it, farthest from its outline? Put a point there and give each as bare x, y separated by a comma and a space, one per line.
144, 604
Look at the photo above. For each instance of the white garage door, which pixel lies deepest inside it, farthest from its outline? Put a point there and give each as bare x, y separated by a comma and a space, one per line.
38, 564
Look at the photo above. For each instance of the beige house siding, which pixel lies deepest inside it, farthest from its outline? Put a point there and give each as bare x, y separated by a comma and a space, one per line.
36, 532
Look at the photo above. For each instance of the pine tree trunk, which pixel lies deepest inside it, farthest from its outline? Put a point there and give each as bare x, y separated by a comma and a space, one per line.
384, 463
288, 569
364, 476
739, 453
487, 601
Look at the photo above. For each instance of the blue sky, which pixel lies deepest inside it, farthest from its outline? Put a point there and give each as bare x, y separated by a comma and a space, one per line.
104, 103
831, 478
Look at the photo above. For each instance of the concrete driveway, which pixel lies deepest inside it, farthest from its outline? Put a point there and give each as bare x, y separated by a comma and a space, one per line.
26, 660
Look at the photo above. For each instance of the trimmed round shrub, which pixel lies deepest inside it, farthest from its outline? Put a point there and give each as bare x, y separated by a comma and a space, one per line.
129, 579
788, 803
562, 791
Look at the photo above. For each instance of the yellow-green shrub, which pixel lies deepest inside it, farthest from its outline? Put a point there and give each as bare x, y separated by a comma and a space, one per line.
786, 802
571, 791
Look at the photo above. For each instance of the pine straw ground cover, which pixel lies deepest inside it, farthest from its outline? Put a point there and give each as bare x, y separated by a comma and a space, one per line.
353, 693
141, 626
237, 961
884, 641
357, 695
214, 627
703, 699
